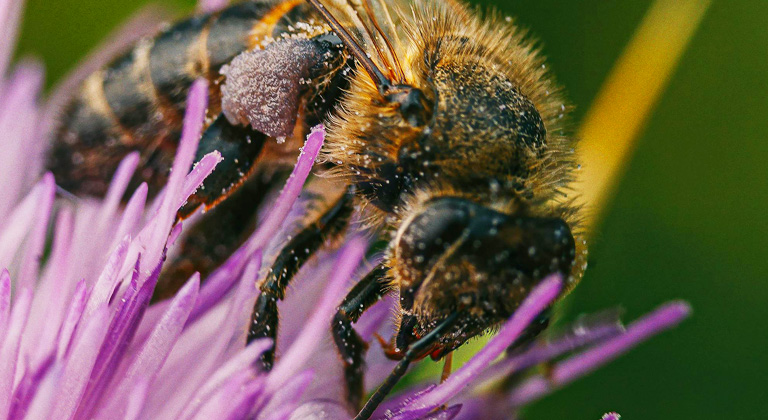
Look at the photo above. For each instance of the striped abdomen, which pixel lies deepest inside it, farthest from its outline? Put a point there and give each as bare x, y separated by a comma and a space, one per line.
138, 101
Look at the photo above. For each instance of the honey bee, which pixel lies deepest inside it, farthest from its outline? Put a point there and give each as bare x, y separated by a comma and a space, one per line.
444, 130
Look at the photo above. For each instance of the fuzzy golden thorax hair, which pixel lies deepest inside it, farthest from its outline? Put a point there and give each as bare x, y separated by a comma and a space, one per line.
495, 129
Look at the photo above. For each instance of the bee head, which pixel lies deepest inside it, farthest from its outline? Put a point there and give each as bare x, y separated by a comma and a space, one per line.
460, 256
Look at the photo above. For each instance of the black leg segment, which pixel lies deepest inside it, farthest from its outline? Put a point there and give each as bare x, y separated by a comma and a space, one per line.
264, 319
239, 147
352, 348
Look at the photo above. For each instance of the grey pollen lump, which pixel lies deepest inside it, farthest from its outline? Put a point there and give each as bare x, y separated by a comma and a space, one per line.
262, 87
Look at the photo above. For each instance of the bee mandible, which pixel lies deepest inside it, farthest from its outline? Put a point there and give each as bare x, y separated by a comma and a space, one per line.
444, 131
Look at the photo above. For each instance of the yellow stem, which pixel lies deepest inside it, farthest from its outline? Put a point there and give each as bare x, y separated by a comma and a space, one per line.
615, 120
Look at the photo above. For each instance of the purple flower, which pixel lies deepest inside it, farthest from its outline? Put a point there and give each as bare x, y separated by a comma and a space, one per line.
80, 340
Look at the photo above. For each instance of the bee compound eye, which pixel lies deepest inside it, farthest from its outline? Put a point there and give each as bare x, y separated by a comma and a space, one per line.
534, 246
477, 257
459, 232
432, 232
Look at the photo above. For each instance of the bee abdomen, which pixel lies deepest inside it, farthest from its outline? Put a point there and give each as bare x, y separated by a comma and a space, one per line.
138, 101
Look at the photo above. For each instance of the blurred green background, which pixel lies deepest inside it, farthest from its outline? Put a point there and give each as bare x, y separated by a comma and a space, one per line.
688, 220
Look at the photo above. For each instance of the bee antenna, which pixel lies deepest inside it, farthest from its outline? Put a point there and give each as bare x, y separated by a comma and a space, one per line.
379, 79
397, 66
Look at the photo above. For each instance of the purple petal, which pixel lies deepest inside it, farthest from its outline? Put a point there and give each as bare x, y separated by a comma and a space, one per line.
320, 410
78, 365
580, 334
10, 11
223, 334
52, 302
284, 413
221, 402
5, 301
29, 270
44, 400
153, 236
221, 281
199, 172
581, 364
218, 284
9, 351
244, 402
136, 399
241, 362
221, 329
245, 294
538, 300
306, 291
379, 366
18, 139
15, 227
398, 402
291, 191
290, 392
117, 188
131, 214
108, 278
27, 387
71, 320
153, 354
302, 348
27, 273
446, 414
175, 233
611, 416
19, 224
485, 406
130, 308
194, 118
62, 242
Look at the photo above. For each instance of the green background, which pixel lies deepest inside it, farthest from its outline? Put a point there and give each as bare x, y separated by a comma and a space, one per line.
688, 220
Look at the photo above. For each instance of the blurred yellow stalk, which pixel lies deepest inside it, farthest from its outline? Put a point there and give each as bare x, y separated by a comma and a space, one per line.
617, 116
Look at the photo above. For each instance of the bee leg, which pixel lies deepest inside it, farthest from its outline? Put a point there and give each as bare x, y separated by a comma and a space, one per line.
416, 351
548, 369
299, 249
532, 331
526, 338
239, 147
213, 239
352, 348
447, 367
227, 225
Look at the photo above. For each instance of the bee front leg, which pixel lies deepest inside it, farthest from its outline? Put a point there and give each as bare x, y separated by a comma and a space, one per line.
264, 320
352, 348
416, 351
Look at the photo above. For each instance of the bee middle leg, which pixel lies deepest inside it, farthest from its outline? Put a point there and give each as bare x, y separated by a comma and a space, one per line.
351, 347
331, 223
